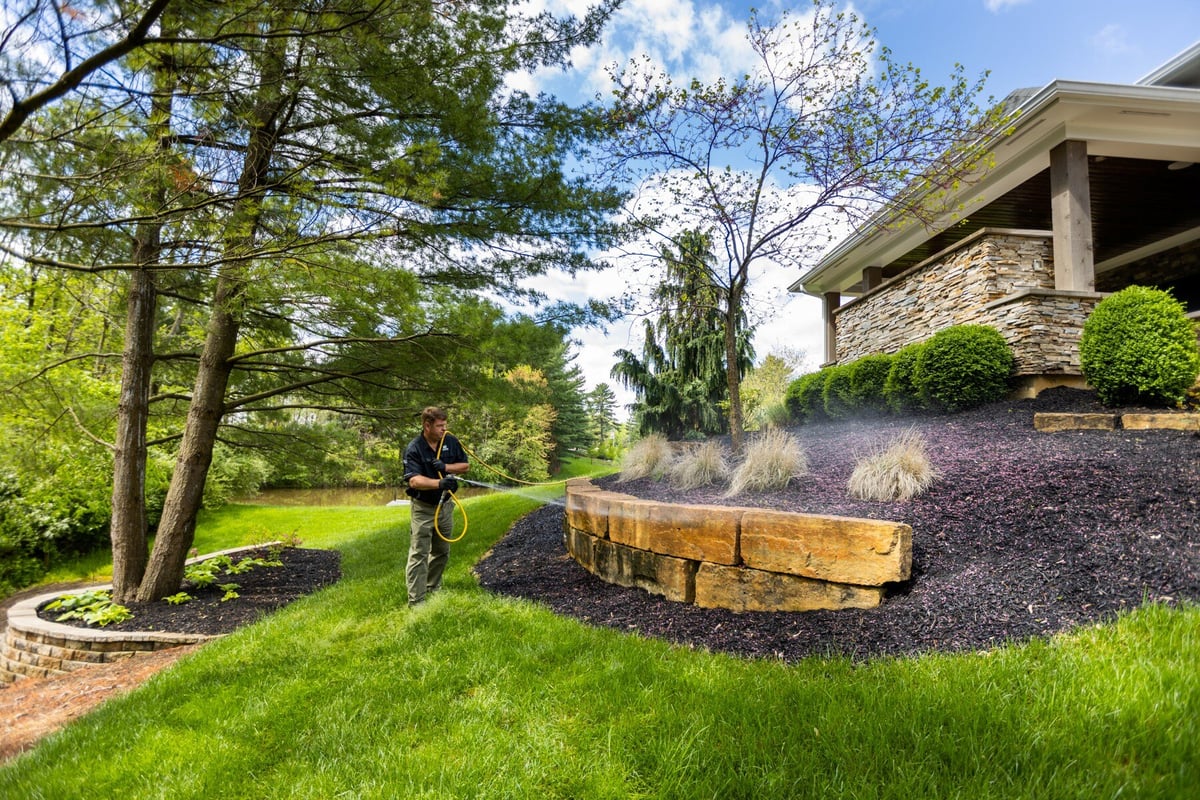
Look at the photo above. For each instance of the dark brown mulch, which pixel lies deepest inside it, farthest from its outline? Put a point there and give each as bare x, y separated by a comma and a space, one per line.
260, 591
1025, 534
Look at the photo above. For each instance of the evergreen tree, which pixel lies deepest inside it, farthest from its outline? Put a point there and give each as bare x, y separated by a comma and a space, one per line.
679, 381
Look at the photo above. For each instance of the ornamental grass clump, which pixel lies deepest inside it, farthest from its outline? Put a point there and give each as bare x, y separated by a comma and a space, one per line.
771, 460
649, 457
898, 471
702, 465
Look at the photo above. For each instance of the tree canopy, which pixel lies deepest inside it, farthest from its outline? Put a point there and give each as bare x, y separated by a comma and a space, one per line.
824, 131
278, 191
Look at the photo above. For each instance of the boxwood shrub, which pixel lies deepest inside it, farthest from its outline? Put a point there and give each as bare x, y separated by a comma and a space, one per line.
866, 379
839, 403
899, 391
1138, 346
804, 398
963, 366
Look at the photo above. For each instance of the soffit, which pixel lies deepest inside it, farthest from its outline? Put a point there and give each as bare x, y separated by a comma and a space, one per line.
1133, 133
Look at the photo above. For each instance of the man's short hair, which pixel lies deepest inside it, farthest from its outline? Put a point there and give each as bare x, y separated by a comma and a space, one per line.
432, 414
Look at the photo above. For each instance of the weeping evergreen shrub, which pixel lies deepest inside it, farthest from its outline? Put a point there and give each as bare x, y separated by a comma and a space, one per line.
1138, 346
963, 366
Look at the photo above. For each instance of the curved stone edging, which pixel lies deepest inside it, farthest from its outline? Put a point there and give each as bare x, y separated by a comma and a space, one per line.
39, 648
743, 559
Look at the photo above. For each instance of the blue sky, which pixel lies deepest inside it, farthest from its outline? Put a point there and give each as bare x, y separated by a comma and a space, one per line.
1020, 43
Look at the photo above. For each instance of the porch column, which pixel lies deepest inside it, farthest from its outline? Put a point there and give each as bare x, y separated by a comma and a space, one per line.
872, 277
1071, 213
830, 303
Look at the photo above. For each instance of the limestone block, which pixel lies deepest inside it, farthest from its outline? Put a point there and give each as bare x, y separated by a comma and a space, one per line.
673, 578
1173, 422
582, 548
696, 533
1053, 422
587, 509
742, 589
864, 552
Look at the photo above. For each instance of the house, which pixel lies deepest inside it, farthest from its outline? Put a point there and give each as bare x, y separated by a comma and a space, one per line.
1096, 187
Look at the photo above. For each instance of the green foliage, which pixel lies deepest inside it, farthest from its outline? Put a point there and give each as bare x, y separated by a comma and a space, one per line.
837, 400
764, 391
805, 397
178, 599
963, 366
680, 379
900, 392
865, 382
234, 473
1138, 346
94, 607
22, 550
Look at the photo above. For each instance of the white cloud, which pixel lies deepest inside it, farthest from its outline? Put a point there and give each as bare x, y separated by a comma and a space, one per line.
996, 6
1112, 40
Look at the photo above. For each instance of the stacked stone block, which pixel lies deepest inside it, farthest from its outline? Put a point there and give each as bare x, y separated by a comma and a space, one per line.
1001, 278
743, 559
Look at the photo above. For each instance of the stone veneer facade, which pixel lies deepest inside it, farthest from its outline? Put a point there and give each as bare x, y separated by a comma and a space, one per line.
1002, 278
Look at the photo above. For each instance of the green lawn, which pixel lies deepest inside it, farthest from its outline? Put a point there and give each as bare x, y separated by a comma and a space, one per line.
348, 693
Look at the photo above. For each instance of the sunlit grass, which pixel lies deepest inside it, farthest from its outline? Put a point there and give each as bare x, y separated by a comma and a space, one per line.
348, 693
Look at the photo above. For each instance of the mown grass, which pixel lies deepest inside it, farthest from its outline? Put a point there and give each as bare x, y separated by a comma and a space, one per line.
348, 693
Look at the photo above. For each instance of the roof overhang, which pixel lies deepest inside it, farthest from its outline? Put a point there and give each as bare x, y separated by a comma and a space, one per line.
1116, 120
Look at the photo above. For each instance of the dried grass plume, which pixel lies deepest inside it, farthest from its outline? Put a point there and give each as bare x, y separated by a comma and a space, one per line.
898, 471
702, 465
771, 460
649, 457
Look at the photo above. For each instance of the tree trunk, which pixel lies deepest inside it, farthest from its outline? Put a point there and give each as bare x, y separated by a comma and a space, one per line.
733, 376
177, 529
128, 526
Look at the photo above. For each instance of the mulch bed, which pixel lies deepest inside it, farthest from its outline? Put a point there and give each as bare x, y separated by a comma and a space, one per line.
260, 591
1025, 534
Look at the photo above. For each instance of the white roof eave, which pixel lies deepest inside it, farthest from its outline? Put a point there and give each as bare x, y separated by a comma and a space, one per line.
1048, 110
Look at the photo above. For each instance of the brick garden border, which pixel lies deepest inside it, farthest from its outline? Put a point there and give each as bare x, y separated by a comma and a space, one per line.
38, 648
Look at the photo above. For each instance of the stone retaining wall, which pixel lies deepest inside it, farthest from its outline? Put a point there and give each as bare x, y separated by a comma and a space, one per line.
743, 559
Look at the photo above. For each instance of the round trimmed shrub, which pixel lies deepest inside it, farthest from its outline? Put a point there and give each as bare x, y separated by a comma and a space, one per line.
899, 391
867, 376
1138, 346
962, 367
836, 393
804, 397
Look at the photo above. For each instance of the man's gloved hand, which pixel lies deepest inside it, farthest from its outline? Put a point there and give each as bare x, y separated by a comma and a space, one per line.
448, 484
439, 466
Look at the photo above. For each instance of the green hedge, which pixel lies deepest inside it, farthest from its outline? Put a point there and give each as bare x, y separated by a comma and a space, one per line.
962, 367
1138, 346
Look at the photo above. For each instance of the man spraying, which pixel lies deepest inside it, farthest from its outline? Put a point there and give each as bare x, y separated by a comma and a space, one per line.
431, 461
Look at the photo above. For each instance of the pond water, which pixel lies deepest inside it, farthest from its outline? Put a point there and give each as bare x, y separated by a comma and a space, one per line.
340, 496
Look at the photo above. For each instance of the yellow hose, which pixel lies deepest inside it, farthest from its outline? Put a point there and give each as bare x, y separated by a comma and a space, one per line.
437, 514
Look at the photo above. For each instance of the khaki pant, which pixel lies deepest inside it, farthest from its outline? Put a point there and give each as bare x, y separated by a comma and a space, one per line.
427, 552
